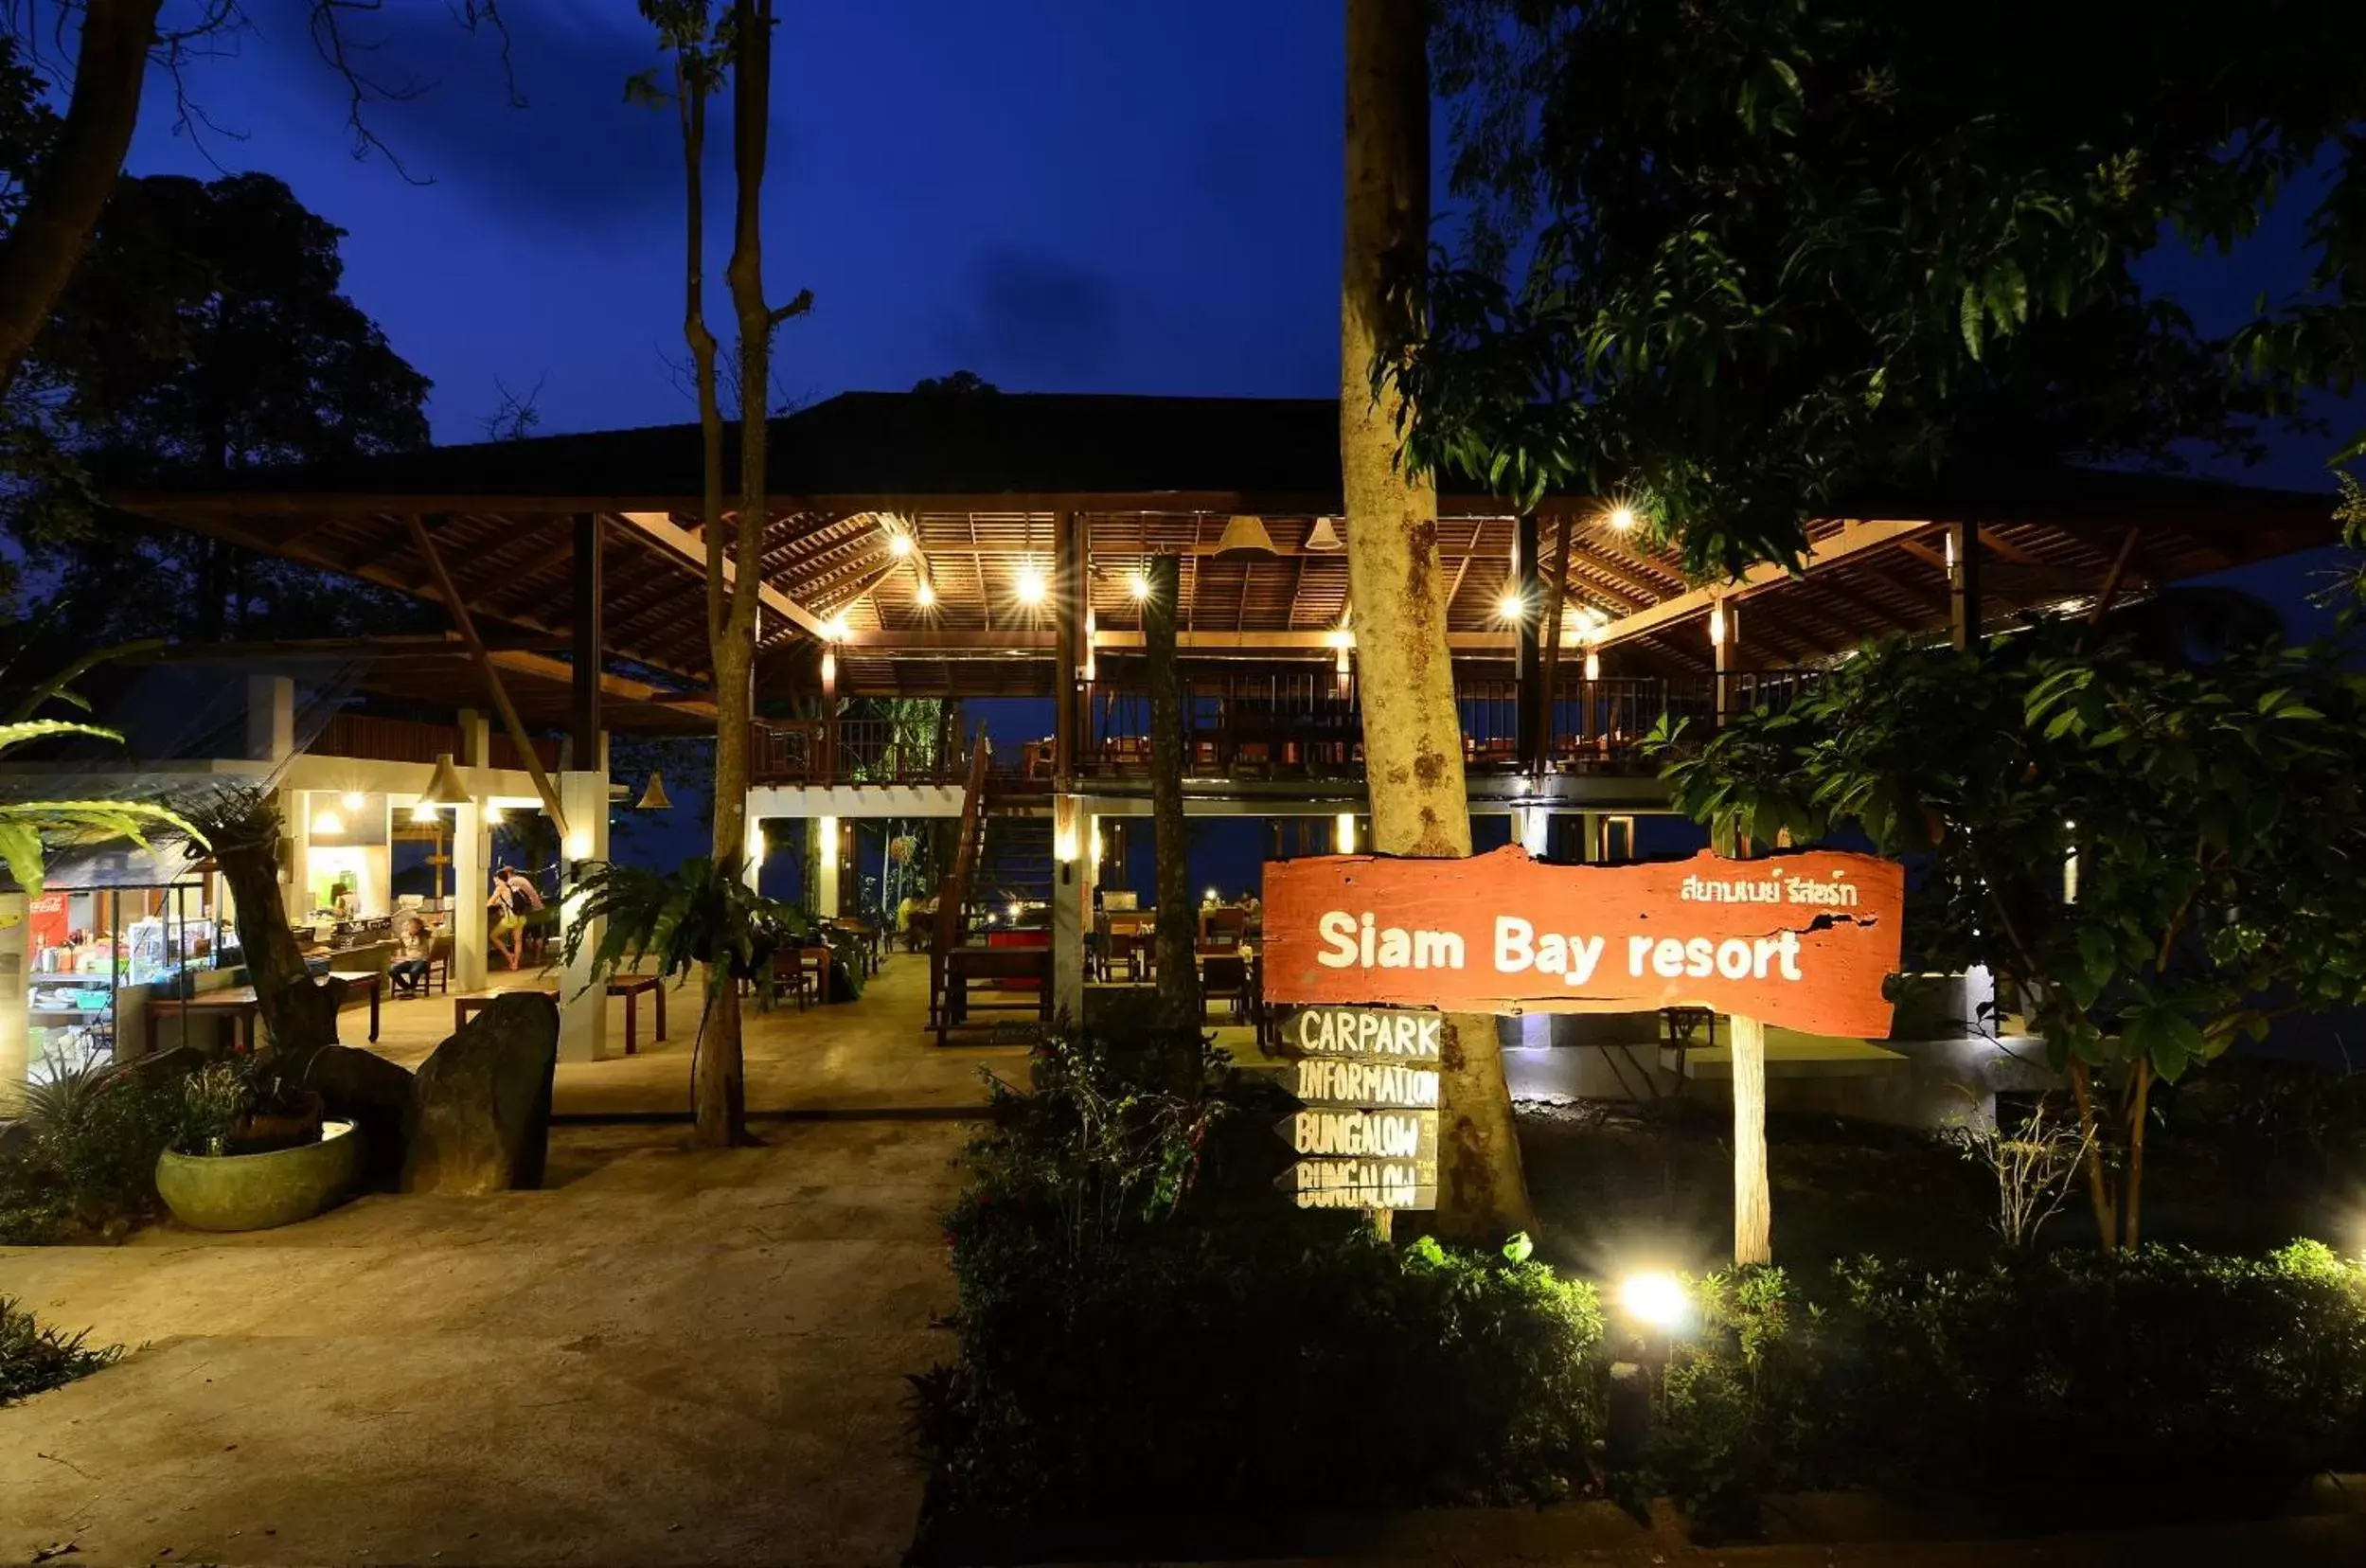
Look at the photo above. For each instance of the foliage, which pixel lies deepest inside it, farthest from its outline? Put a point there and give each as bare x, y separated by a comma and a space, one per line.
1706, 269
2035, 1165
699, 915
95, 1130
34, 1360
2037, 1392
1136, 1340
2156, 857
26, 826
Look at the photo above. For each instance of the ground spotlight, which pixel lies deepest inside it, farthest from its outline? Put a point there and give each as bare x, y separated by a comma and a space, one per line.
1656, 1300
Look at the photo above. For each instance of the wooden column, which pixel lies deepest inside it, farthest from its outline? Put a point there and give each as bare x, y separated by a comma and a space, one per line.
1068, 591
1963, 585
583, 721
828, 734
1723, 650
1527, 667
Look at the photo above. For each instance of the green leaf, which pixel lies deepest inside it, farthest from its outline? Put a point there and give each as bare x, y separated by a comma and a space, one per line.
1970, 317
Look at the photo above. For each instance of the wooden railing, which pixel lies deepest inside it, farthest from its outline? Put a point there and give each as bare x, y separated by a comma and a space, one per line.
374, 738
855, 751
952, 893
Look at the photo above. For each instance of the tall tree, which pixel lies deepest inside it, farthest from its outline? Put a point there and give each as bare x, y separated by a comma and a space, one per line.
705, 54
1412, 731
1737, 257
1178, 996
114, 42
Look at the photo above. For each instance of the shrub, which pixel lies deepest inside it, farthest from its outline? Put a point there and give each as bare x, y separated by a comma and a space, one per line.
91, 1156
33, 1359
2041, 1392
1136, 1339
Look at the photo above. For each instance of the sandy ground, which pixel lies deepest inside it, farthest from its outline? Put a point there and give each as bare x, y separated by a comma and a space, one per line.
671, 1358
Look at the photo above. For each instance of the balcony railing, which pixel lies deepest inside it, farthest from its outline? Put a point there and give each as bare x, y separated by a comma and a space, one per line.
856, 751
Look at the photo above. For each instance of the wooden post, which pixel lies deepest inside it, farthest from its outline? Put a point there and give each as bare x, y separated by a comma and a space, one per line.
583, 714
828, 747
1549, 661
1963, 585
425, 545
1068, 621
1530, 696
1753, 1213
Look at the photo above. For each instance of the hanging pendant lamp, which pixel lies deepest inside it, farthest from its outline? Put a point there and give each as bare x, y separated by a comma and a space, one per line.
1323, 539
1246, 533
444, 788
653, 798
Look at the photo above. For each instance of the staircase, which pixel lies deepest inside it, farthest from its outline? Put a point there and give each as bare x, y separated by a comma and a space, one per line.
1014, 866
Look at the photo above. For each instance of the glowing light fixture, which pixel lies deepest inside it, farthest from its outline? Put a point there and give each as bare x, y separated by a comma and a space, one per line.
1138, 583
492, 815
1655, 1300
579, 844
924, 595
1593, 665
899, 543
829, 667
423, 812
1343, 834
1716, 624
1030, 584
1342, 639
354, 800
835, 629
1211, 895
326, 821
1512, 607
1243, 532
1323, 539
1622, 519
444, 788
1014, 913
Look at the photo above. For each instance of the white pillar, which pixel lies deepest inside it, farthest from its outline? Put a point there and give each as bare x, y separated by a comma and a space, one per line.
472, 855
1071, 905
295, 821
826, 881
269, 718
1533, 827
582, 1006
15, 994
476, 740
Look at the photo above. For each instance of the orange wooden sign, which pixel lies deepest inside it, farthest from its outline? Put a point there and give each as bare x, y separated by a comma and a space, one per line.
1803, 939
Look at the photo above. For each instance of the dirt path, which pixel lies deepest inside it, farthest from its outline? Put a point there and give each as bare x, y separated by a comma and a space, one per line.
673, 1358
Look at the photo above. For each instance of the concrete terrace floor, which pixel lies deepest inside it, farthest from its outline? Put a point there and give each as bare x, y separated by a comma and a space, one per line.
673, 1357
867, 1055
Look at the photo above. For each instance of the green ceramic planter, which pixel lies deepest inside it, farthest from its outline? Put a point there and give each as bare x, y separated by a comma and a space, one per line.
242, 1192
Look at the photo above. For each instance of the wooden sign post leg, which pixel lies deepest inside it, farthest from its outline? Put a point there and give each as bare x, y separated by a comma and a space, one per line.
1754, 1217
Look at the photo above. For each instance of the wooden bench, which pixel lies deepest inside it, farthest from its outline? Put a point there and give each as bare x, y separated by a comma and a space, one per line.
964, 965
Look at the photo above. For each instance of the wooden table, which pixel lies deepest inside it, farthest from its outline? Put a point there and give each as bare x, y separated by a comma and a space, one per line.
374, 981
868, 938
964, 965
630, 986
239, 1005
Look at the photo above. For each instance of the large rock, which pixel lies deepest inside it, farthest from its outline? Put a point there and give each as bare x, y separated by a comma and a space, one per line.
483, 1120
375, 1094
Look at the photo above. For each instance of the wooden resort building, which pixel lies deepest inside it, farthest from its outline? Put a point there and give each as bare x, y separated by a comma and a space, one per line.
961, 548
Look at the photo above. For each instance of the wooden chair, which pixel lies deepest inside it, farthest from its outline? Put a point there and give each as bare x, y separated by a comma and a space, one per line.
1226, 976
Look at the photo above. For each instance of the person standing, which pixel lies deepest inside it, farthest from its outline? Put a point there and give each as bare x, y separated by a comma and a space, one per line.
514, 896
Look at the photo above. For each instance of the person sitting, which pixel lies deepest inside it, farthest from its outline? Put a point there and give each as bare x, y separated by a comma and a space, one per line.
408, 972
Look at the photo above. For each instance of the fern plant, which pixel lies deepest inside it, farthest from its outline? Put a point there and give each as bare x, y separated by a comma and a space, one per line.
28, 828
700, 914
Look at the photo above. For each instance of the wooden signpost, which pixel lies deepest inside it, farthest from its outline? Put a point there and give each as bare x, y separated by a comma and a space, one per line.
1367, 1138
1803, 940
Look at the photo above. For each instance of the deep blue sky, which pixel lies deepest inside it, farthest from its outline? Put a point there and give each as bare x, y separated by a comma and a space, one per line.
1060, 194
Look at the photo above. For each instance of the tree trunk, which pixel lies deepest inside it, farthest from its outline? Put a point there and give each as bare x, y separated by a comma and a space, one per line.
39, 255
1179, 999
1412, 733
299, 1014
720, 1084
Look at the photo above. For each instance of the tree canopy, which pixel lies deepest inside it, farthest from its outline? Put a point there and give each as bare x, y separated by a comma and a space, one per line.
1731, 258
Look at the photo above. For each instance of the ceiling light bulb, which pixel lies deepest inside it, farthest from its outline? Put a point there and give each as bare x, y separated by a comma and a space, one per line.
1030, 586
1593, 665
328, 822
899, 543
1138, 584
355, 800
493, 817
1623, 519
925, 595
1511, 606
423, 812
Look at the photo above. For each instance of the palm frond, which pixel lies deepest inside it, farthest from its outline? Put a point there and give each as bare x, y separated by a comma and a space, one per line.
25, 731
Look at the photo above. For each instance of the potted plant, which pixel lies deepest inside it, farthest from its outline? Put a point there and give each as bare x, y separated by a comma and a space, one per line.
253, 1150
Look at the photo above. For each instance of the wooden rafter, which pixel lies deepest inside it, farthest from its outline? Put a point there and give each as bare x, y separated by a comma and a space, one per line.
1855, 539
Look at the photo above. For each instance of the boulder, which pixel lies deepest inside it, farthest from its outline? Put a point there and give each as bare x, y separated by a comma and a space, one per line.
16, 1140
375, 1094
483, 1101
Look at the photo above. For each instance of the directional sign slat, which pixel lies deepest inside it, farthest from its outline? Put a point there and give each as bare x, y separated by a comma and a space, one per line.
1330, 1080
1361, 1184
1361, 1134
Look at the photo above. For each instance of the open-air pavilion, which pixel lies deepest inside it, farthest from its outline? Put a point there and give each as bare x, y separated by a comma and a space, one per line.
991, 545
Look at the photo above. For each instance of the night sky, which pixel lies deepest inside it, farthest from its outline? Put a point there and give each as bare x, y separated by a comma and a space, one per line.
1062, 195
